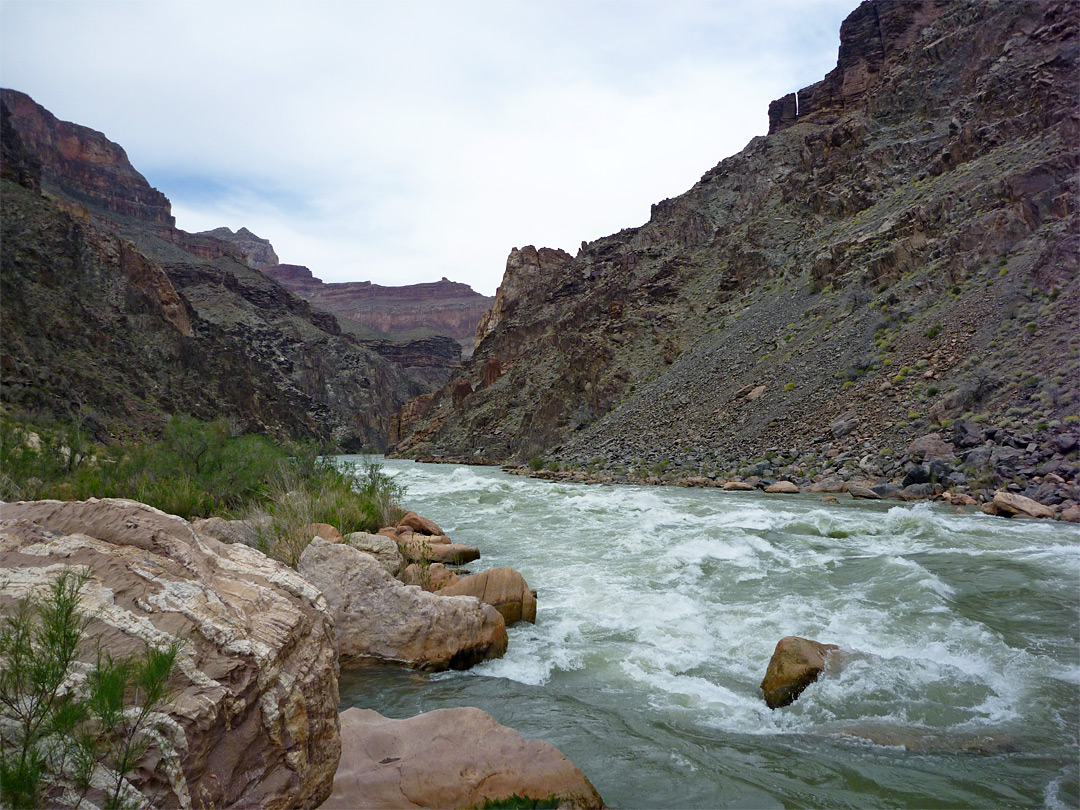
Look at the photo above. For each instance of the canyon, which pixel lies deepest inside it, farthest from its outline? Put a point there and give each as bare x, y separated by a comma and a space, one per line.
895, 258
116, 318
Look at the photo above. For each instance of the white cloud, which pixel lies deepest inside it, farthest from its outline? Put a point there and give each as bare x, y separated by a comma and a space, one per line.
400, 142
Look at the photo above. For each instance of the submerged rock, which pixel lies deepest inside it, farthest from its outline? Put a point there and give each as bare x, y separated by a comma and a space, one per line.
378, 618
503, 588
1009, 504
795, 664
253, 717
449, 758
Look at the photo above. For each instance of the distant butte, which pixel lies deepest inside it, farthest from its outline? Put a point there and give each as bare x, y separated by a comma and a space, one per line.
444, 307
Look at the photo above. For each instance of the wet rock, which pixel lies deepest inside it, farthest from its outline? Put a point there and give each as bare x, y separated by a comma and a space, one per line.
783, 487
856, 491
503, 588
377, 618
795, 664
449, 758
254, 707
1009, 504
829, 499
382, 548
1071, 513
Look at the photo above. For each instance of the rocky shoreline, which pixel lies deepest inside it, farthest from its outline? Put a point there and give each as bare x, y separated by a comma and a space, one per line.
968, 464
253, 714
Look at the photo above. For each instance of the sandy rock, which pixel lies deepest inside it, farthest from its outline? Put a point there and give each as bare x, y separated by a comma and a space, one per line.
1009, 504
377, 618
228, 531
755, 393
503, 588
783, 487
737, 486
1071, 514
258, 662
829, 499
856, 491
431, 578
830, 484
418, 548
448, 758
323, 530
795, 664
380, 547
420, 525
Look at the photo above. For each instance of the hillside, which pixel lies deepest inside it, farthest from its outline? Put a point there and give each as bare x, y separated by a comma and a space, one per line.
113, 315
898, 256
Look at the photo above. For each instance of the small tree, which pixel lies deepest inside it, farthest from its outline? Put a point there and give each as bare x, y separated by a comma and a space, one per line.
58, 732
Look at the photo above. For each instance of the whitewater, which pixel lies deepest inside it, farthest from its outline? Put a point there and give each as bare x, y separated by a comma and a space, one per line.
659, 608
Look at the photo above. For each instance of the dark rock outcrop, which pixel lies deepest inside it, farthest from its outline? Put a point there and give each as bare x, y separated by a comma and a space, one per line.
111, 312
899, 256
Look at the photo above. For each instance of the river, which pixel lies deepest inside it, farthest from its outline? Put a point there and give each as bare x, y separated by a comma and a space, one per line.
659, 608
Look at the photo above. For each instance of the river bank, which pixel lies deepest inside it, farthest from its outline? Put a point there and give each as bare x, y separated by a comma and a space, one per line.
965, 465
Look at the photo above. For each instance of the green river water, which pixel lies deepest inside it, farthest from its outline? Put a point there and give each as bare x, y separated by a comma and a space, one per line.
659, 609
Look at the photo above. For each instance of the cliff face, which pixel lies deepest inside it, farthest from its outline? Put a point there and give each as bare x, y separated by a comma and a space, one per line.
901, 253
83, 164
257, 252
112, 314
445, 307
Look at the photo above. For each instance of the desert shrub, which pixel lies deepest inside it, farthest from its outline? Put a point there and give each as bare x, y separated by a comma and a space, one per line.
536, 463
61, 737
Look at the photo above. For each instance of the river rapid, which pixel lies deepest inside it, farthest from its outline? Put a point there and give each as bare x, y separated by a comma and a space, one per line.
659, 608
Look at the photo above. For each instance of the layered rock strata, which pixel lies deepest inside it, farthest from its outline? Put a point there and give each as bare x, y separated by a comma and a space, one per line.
253, 720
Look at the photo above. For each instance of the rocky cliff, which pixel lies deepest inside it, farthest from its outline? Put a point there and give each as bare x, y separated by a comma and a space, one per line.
444, 307
896, 255
111, 313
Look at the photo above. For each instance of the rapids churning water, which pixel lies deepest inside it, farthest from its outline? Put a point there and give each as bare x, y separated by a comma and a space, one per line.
659, 609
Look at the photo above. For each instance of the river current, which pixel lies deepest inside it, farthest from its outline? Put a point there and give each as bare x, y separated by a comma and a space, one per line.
659, 608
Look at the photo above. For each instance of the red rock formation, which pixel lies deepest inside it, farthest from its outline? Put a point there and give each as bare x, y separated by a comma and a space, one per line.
446, 307
84, 164
492, 370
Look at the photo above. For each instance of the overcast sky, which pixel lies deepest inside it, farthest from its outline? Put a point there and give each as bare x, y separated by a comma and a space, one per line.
403, 141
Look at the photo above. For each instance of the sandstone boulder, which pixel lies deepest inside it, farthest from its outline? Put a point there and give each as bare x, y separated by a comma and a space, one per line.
323, 530
253, 716
420, 525
449, 758
783, 487
418, 548
380, 547
228, 531
378, 618
856, 491
737, 486
503, 588
1012, 504
795, 664
433, 577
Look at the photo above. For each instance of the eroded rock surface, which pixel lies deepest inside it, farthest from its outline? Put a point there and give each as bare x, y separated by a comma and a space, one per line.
378, 618
253, 722
449, 758
503, 588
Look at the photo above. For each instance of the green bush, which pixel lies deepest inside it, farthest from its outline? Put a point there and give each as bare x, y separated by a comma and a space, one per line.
63, 737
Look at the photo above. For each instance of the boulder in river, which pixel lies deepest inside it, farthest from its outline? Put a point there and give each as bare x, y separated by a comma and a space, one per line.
418, 548
449, 758
1010, 504
503, 588
783, 487
738, 486
433, 577
795, 664
378, 618
856, 491
420, 525
252, 720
